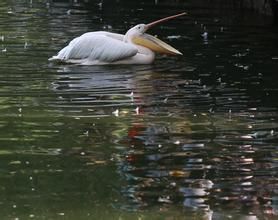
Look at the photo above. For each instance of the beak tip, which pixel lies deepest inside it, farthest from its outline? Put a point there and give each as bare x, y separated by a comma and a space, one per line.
176, 52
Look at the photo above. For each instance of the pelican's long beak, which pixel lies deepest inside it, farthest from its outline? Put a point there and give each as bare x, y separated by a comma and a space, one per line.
148, 26
154, 43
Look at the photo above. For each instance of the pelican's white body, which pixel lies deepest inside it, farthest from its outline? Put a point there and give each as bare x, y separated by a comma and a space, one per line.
100, 48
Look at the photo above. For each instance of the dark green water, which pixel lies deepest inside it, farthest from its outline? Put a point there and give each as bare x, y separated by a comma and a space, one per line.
195, 137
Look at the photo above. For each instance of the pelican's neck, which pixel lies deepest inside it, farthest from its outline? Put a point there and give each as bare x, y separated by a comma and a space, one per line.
144, 55
128, 38
130, 34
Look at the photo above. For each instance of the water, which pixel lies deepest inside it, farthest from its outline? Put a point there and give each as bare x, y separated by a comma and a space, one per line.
189, 137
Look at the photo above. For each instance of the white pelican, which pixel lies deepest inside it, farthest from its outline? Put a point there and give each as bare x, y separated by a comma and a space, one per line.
101, 47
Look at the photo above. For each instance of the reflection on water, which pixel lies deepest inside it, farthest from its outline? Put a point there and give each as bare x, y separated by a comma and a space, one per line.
193, 136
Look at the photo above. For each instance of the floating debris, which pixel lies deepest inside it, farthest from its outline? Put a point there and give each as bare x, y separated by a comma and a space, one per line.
174, 37
164, 199
240, 54
96, 162
100, 5
131, 94
61, 213
262, 134
10, 11
205, 36
230, 114
211, 110
179, 173
137, 110
173, 184
245, 67
116, 112
15, 162
107, 27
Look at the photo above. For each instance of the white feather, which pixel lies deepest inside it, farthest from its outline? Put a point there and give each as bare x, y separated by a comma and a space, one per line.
92, 47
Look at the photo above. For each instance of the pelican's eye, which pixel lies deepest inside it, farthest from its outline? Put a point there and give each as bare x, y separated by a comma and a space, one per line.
140, 27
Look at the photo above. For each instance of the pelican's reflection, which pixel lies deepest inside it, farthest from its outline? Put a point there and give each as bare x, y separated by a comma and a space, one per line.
160, 171
166, 155
161, 163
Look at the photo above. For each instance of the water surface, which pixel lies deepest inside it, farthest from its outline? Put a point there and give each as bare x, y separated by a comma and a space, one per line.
189, 137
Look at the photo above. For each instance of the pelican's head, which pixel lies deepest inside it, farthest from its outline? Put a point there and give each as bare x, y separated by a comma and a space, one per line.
136, 31
138, 36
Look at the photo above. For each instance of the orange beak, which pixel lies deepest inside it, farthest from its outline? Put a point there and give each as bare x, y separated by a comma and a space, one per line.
148, 26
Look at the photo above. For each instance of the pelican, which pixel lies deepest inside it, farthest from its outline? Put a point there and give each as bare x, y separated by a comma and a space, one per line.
101, 47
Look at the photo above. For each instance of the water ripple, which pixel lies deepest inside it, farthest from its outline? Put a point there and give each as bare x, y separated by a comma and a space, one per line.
192, 134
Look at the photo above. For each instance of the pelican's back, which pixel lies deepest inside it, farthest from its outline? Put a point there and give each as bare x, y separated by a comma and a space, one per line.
96, 47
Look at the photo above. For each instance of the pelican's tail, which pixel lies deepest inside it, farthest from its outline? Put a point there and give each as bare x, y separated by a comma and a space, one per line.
58, 59
62, 55
55, 59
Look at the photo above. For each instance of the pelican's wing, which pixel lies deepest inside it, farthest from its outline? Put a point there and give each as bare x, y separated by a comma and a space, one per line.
100, 46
